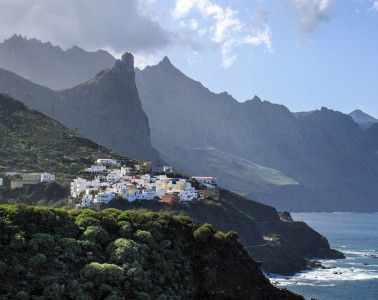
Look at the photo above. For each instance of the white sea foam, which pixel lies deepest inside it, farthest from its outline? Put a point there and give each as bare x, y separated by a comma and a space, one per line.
318, 277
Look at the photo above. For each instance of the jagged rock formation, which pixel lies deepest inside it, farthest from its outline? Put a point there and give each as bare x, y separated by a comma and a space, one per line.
320, 161
106, 109
49, 65
363, 119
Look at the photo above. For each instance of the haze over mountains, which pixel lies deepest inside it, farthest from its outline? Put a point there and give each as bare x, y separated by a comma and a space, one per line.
317, 161
49, 65
363, 119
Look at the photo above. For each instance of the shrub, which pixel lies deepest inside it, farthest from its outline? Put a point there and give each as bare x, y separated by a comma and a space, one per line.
145, 237
3, 268
204, 233
126, 230
37, 261
42, 242
22, 295
74, 289
17, 242
232, 235
96, 234
100, 273
54, 291
126, 251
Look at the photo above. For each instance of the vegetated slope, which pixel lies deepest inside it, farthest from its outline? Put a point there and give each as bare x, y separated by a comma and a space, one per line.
123, 255
106, 109
282, 246
32, 141
49, 65
321, 161
363, 119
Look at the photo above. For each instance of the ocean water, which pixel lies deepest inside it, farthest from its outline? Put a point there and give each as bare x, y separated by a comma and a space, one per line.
356, 277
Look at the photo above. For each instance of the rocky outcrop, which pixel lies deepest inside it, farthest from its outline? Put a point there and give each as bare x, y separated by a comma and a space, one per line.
106, 109
49, 65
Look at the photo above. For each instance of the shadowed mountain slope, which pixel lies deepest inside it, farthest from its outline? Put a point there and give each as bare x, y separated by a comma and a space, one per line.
320, 161
106, 109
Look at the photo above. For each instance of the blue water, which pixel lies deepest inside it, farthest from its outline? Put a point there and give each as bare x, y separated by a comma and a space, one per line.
354, 234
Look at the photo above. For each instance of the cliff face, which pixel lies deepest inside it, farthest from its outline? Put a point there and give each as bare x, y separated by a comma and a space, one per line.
317, 161
49, 65
282, 246
106, 109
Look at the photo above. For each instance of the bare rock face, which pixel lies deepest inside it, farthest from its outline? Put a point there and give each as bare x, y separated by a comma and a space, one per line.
106, 109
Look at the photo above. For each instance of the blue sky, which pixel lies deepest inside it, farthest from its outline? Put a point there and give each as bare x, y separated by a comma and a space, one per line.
301, 53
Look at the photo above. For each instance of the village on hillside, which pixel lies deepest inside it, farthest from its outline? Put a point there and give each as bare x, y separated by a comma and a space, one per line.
142, 182
108, 180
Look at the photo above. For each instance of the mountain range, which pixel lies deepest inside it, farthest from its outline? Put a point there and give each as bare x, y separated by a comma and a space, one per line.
319, 161
315, 161
49, 65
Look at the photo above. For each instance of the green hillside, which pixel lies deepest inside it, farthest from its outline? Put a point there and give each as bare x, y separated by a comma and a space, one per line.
32, 141
82, 254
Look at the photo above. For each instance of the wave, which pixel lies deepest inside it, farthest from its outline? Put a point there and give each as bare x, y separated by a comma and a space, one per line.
325, 277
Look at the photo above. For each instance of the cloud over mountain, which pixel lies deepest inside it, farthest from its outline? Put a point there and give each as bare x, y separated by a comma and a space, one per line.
115, 25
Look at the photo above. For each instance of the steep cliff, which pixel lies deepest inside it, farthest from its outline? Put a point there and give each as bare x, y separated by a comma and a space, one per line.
106, 109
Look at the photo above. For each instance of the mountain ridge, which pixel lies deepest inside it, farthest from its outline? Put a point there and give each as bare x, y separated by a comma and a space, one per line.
110, 98
324, 153
40, 62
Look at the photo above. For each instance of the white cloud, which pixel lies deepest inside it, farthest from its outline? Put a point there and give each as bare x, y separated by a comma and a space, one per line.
224, 27
310, 13
375, 5
118, 25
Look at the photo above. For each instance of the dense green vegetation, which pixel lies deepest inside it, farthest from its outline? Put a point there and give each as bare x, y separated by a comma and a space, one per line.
32, 141
293, 242
82, 254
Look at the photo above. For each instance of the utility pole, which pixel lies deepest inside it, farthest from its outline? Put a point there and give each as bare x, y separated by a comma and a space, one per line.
52, 111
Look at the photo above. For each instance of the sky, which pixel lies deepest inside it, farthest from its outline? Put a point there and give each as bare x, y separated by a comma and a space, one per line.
303, 54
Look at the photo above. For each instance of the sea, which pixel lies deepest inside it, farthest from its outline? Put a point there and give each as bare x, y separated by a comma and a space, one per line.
356, 277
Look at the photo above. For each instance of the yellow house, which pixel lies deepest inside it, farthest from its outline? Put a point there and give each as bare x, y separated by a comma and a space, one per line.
176, 185
213, 194
16, 183
31, 178
146, 167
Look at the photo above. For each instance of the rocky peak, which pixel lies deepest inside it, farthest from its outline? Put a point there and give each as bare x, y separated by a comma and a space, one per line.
125, 64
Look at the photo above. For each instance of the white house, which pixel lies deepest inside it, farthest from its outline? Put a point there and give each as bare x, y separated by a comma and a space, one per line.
108, 162
188, 195
104, 197
126, 171
86, 200
47, 177
78, 186
96, 169
203, 179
